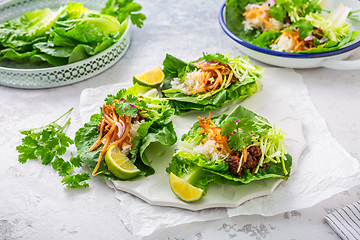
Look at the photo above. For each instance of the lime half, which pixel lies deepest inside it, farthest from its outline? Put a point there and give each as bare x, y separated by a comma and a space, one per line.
152, 78
184, 190
119, 164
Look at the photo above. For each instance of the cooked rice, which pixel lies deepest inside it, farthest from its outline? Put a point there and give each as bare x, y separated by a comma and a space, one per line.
191, 81
126, 149
284, 44
210, 150
134, 127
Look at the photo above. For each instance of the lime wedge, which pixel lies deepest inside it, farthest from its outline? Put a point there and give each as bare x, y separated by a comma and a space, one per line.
119, 164
152, 78
184, 190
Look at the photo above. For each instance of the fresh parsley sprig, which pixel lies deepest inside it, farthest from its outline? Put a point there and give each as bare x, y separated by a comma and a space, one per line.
48, 143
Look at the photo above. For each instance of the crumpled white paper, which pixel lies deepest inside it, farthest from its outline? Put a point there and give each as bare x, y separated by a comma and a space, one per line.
324, 168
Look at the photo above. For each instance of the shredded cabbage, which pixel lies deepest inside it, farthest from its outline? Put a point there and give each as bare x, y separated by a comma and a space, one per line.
333, 24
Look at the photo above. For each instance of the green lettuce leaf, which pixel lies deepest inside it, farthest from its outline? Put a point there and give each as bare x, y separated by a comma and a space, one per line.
274, 170
11, 54
41, 59
88, 29
80, 52
265, 39
39, 21
54, 51
30, 27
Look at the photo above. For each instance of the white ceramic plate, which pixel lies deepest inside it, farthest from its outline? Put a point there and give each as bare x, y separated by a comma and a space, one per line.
35, 78
155, 189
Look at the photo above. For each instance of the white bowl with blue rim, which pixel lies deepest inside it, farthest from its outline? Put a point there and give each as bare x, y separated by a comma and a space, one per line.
333, 59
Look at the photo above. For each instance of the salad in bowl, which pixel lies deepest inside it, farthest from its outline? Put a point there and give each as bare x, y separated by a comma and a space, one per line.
297, 26
294, 33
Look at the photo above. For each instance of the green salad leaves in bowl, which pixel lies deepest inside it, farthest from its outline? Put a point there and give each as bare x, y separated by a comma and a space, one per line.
63, 42
294, 33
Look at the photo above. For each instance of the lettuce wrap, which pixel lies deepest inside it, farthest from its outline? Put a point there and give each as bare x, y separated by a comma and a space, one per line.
237, 148
143, 118
209, 82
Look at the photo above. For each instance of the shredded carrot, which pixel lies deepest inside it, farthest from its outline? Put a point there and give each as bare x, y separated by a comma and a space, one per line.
108, 133
98, 142
245, 153
225, 142
127, 130
101, 130
102, 153
213, 133
97, 164
210, 78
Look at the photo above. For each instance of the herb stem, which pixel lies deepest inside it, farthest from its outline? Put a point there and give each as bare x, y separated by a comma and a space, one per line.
62, 115
65, 125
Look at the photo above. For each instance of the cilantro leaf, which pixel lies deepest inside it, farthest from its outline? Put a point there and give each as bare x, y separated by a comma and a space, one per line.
277, 12
65, 169
142, 104
313, 6
47, 156
131, 99
128, 105
228, 127
96, 118
27, 153
30, 141
123, 9
304, 27
138, 19
77, 180
76, 161
57, 163
64, 140
214, 57
238, 132
119, 96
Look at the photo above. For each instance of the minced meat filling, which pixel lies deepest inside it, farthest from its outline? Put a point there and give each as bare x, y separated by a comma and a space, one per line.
253, 157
